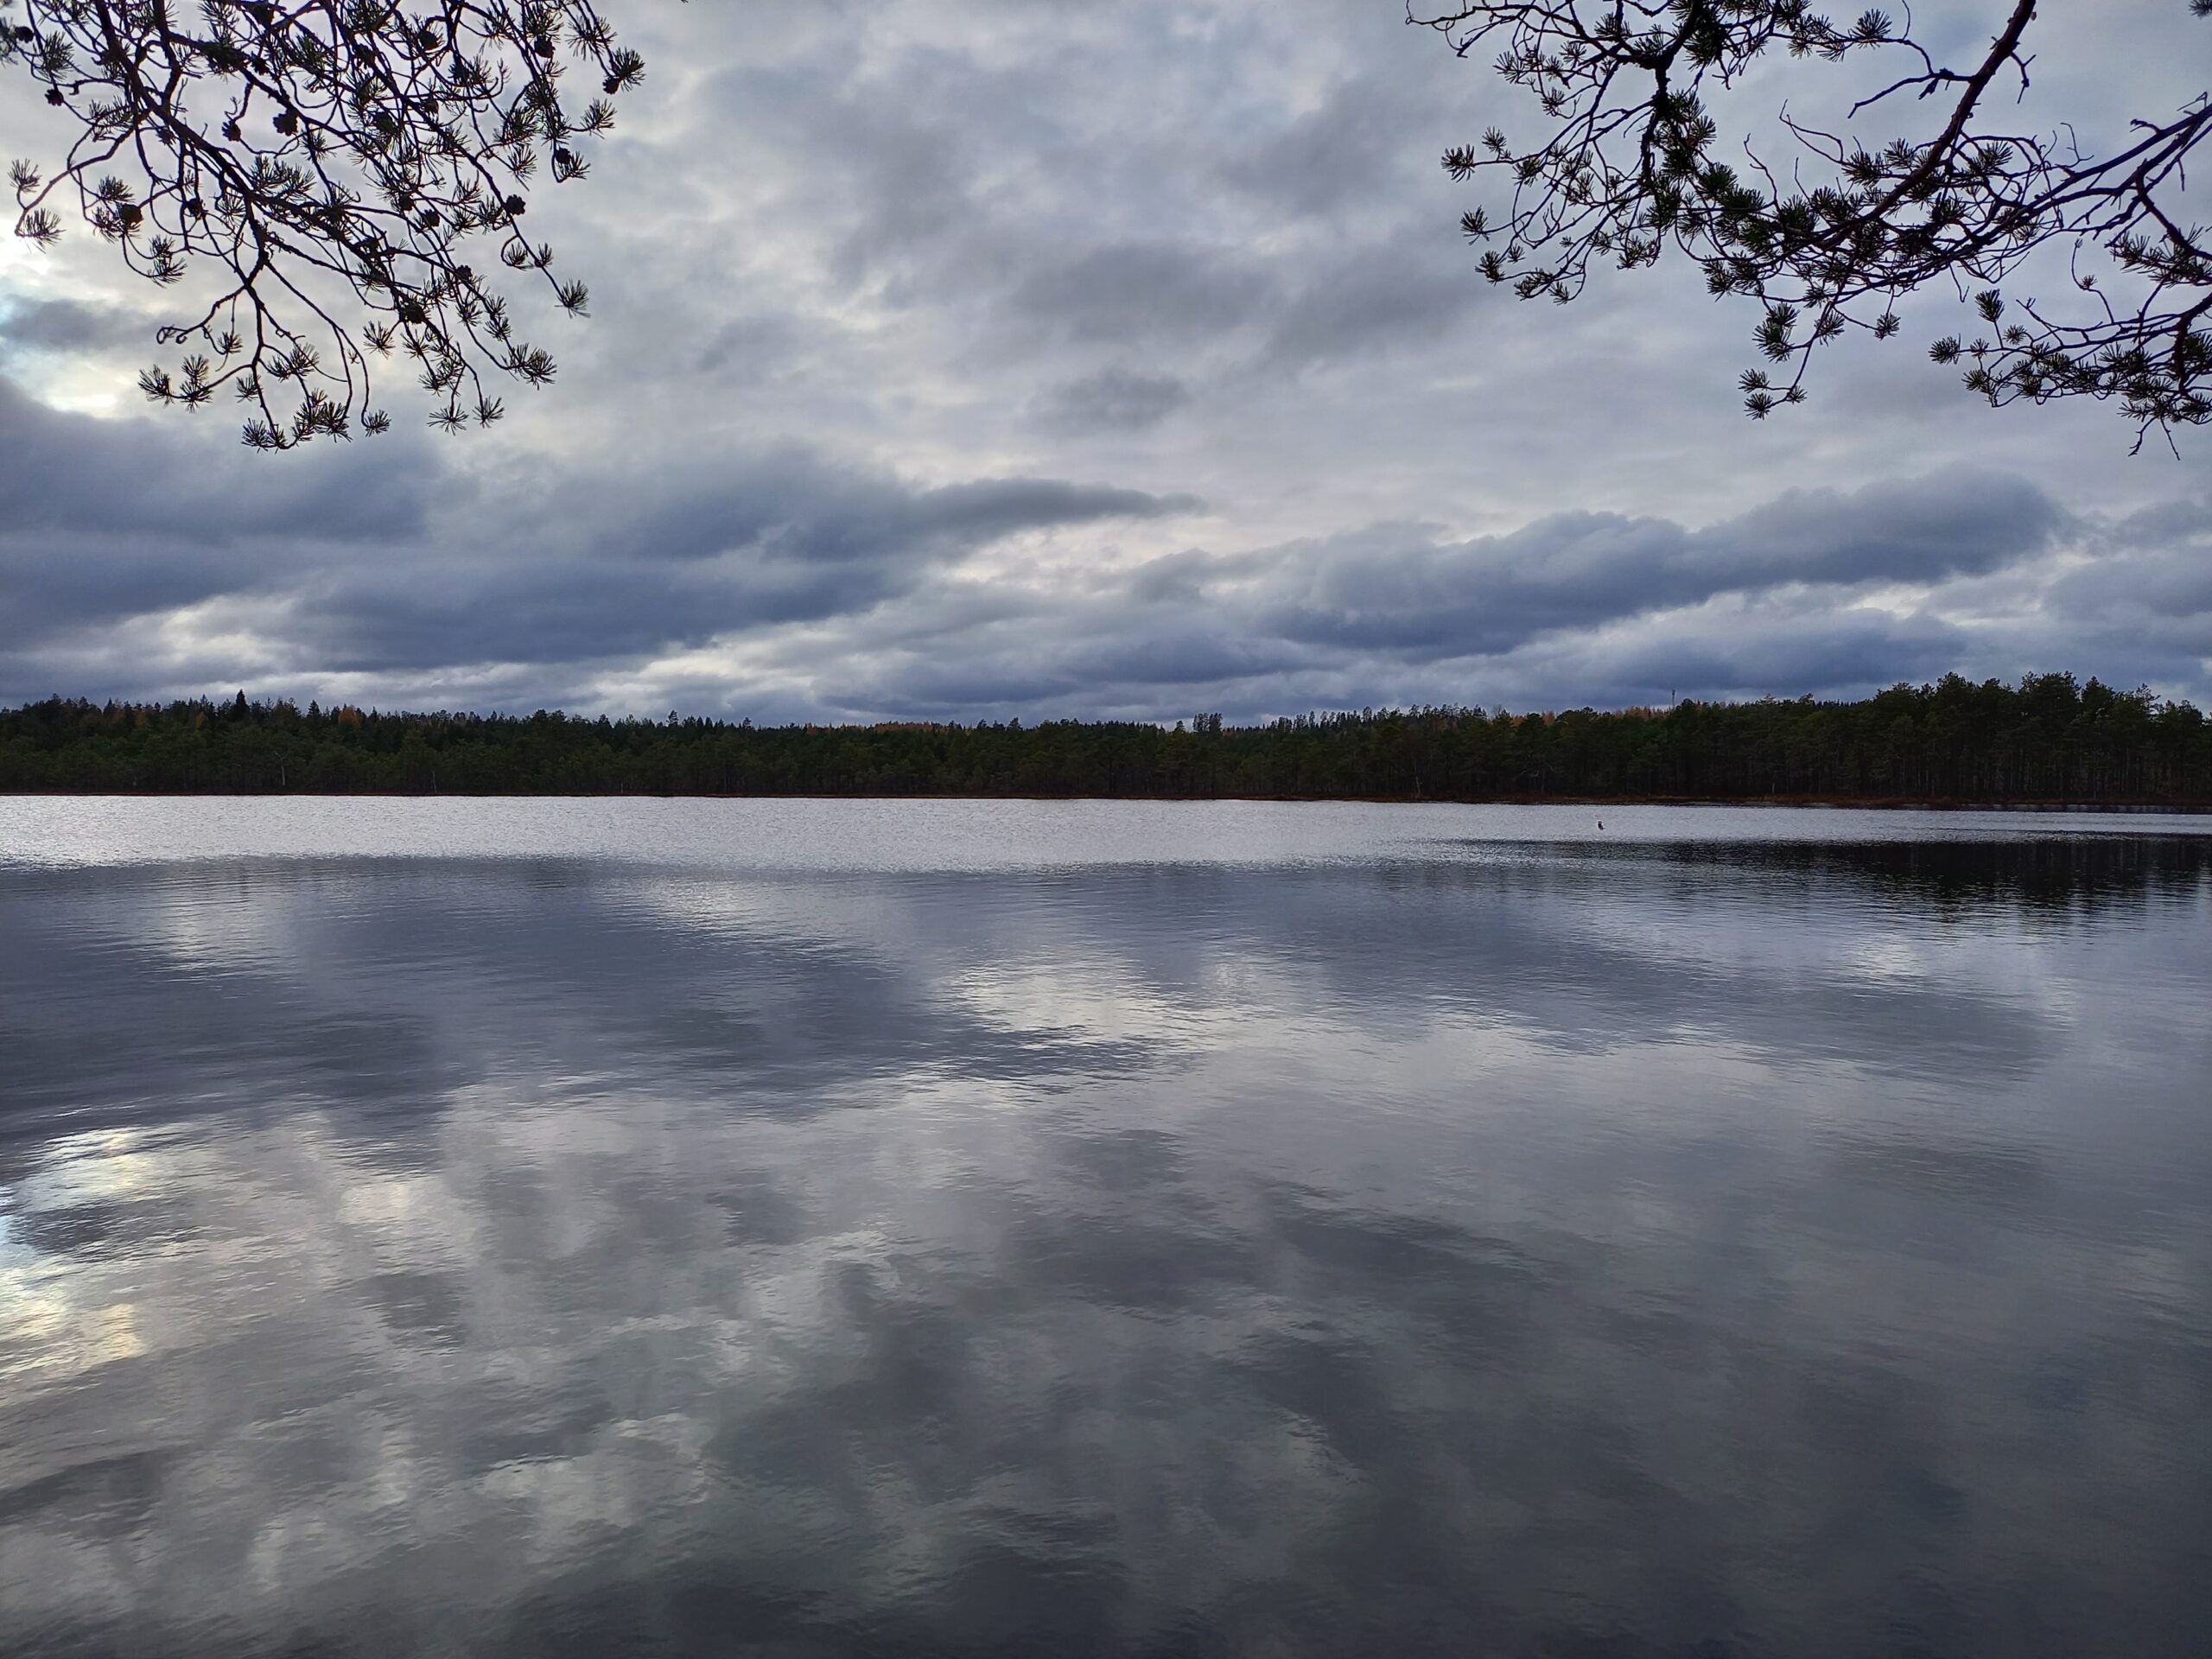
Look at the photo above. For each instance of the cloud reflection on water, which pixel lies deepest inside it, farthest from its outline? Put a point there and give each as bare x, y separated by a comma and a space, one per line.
1598, 1250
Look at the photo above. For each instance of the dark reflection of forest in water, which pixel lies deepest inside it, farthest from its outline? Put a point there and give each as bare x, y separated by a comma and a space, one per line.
2046, 876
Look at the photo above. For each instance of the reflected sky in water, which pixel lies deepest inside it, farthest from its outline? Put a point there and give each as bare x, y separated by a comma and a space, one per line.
891, 1228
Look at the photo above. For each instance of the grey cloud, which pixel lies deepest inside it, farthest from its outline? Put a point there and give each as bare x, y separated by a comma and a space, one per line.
1734, 651
1139, 291
815, 543
1590, 607
1189, 653
1372, 298
843, 268
604, 569
2154, 601
1581, 570
190, 481
52, 324
2142, 605
791, 507
2186, 522
1175, 577
915, 187
1151, 666
987, 511
747, 350
1585, 608
1909, 530
919, 199
1113, 400
102, 520
54, 583
1329, 159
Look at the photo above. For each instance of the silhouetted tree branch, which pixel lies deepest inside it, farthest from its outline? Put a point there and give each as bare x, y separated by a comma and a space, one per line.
1626, 165
340, 163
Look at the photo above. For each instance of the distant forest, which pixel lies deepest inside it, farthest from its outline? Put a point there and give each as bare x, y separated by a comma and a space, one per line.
2049, 739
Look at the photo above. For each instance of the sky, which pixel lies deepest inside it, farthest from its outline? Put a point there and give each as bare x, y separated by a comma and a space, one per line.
975, 358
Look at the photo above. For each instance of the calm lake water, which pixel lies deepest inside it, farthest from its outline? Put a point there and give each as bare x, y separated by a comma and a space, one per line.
795, 1227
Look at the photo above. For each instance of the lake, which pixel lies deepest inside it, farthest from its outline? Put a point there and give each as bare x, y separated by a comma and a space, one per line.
913, 1228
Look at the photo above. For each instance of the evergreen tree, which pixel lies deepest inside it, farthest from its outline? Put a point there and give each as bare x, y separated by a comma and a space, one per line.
339, 163
2050, 738
1629, 158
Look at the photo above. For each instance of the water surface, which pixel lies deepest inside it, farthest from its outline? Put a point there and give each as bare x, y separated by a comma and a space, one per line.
634, 1227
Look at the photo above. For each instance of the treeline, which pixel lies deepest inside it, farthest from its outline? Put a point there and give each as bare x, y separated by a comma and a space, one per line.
2047, 739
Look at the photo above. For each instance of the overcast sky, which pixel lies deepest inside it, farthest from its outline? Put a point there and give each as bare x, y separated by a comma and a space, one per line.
975, 358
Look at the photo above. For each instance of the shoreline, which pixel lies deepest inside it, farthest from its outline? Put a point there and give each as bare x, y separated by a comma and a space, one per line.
1816, 803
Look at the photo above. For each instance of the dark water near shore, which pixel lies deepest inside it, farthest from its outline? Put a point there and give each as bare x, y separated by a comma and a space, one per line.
619, 1227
